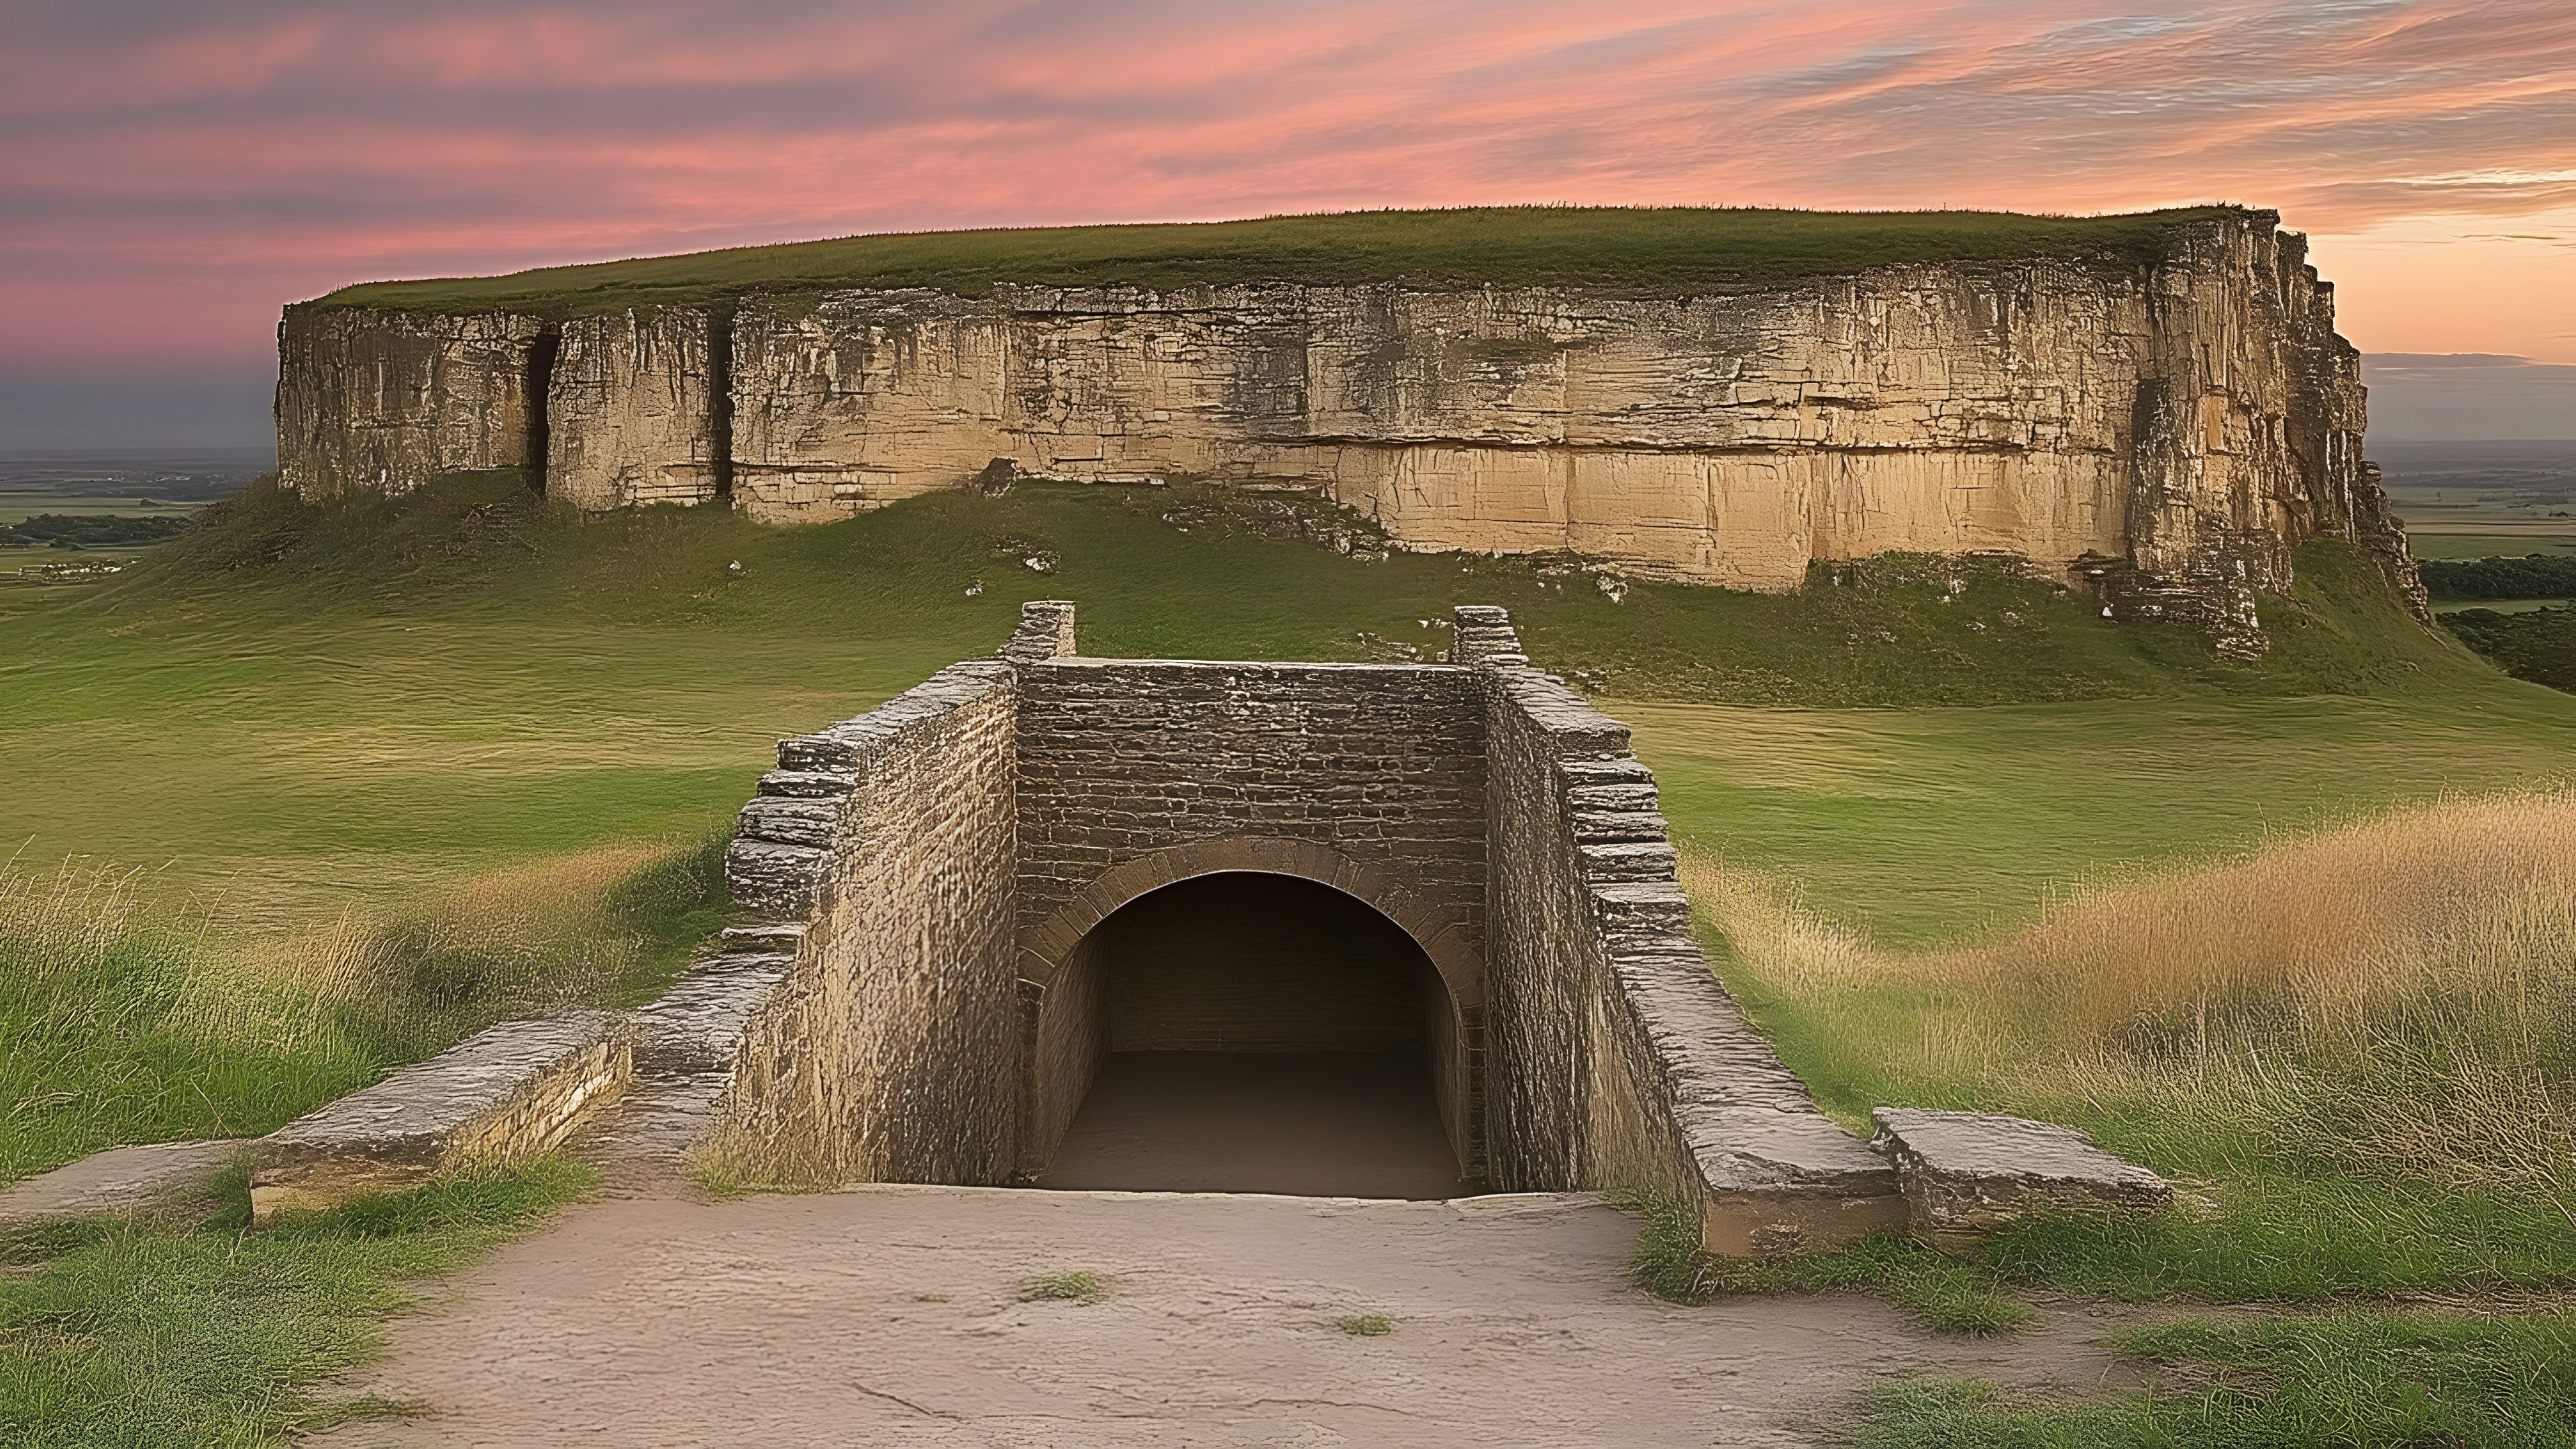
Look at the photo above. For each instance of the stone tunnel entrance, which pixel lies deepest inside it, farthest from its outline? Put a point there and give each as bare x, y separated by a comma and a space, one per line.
1253, 1032
1318, 928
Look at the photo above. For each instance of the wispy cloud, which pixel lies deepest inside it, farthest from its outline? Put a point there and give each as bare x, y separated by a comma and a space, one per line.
173, 171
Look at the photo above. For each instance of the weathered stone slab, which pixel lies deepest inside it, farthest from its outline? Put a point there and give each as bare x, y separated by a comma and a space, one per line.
699, 1024
772, 878
515, 1090
124, 1181
1966, 1173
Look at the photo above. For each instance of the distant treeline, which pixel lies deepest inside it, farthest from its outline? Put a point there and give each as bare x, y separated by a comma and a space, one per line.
2536, 576
91, 530
2539, 645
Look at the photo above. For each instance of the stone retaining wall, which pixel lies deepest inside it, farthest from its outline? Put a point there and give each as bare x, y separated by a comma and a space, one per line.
889, 1047
1615, 1059
1578, 1037
513, 1091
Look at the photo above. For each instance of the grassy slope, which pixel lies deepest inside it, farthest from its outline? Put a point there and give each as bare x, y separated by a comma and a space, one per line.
369, 702
1661, 250
490, 685
140, 1336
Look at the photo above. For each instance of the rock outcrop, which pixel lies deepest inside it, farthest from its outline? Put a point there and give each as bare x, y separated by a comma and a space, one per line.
391, 400
634, 410
2165, 434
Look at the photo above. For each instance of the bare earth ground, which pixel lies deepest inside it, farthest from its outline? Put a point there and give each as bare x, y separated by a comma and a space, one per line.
1323, 1124
896, 1316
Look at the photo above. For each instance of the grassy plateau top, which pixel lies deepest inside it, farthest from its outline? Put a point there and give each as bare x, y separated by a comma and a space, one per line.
1634, 251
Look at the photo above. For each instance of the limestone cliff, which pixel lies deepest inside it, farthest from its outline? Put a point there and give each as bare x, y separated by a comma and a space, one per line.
634, 410
2163, 432
390, 400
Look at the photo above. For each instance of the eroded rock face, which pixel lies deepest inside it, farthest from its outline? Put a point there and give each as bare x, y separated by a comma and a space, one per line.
1964, 1174
390, 400
633, 408
2164, 435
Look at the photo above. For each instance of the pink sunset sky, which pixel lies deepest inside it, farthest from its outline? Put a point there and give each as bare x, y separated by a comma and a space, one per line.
175, 172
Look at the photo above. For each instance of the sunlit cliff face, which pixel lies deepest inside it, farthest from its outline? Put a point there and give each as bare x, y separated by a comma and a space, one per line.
176, 171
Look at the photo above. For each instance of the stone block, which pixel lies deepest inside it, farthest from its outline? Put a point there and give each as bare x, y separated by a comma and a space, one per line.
122, 1181
701, 1023
774, 879
513, 1091
1966, 1173
790, 820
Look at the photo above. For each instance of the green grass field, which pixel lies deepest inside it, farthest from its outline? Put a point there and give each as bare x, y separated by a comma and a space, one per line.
1645, 250
339, 731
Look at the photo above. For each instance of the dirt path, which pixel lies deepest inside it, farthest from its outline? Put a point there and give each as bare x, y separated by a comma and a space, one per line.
894, 1316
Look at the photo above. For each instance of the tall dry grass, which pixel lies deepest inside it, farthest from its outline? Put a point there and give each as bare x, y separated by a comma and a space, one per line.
125, 1021
2395, 995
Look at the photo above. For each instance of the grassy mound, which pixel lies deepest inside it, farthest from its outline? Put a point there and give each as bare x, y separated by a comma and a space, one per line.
1657, 251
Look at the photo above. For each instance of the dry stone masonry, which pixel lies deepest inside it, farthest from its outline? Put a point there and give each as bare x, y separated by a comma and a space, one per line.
1965, 1174
2163, 435
923, 1002
518, 1089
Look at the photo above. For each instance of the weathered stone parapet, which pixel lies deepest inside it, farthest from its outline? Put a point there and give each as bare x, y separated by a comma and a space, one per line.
1045, 632
1596, 965
387, 401
160, 1178
1967, 1173
873, 1031
635, 407
1484, 635
513, 1091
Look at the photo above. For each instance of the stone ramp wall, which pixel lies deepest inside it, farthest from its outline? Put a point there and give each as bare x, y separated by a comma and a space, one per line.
515, 1090
1617, 1060
888, 1047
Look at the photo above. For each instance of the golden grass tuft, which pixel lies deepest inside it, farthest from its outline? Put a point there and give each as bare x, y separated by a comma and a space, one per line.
2395, 994
129, 1023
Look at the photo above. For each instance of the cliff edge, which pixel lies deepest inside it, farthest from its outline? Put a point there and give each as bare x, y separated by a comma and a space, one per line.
2157, 408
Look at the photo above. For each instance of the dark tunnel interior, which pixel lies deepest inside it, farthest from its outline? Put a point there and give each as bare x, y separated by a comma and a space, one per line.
1260, 1033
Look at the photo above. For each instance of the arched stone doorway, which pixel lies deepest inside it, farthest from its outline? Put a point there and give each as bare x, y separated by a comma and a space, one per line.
1253, 1031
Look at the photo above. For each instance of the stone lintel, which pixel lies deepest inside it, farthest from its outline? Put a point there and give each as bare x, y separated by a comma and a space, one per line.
513, 1091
